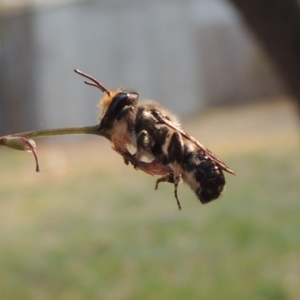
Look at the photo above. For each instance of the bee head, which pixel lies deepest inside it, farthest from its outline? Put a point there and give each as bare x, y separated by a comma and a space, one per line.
113, 107
112, 103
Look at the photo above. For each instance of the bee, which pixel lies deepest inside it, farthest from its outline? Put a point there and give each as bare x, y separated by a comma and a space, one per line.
156, 136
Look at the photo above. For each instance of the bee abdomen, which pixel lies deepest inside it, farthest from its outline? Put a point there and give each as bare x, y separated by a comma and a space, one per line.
205, 177
211, 186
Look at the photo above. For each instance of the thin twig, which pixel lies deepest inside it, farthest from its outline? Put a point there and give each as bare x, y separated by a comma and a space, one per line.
62, 131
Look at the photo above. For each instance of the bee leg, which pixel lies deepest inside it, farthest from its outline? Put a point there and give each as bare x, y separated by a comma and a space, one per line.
122, 151
142, 144
166, 178
126, 161
176, 182
170, 178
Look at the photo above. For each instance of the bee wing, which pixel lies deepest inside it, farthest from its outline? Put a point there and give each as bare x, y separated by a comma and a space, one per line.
210, 154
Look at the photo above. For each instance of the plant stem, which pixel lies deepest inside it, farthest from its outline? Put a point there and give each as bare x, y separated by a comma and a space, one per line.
61, 131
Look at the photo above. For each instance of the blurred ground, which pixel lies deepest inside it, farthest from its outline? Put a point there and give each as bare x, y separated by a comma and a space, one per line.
89, 227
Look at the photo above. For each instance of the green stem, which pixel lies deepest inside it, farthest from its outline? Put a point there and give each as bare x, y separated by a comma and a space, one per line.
23, 140
61, 131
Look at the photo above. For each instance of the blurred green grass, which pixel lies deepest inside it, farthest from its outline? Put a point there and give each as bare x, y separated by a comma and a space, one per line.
89, 227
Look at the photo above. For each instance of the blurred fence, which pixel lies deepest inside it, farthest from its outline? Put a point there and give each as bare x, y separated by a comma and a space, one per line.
185, 54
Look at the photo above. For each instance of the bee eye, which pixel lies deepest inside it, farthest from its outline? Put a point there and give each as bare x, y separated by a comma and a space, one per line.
120, 101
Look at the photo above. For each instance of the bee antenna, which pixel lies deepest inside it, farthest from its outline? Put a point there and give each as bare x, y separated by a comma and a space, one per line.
94, 82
